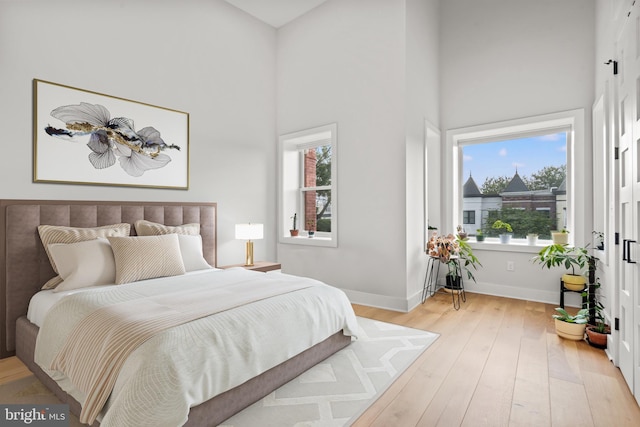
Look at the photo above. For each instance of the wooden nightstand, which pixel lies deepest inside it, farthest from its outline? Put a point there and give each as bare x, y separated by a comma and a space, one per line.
262, 266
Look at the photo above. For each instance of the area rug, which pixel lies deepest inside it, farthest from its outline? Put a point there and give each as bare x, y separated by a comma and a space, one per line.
338, 390
333, 393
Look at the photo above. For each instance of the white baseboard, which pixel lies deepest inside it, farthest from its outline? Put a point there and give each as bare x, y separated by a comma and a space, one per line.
507, 291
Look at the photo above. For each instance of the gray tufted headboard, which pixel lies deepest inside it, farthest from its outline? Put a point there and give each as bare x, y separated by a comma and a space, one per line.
24, 266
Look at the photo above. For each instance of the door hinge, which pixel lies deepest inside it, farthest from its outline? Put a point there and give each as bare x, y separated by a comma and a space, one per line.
615, 66
616, 236
616, 153
616, 324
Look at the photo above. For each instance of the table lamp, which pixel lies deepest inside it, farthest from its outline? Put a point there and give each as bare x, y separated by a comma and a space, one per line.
249, 232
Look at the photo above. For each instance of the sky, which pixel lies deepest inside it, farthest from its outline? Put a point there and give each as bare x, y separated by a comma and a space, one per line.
527, 155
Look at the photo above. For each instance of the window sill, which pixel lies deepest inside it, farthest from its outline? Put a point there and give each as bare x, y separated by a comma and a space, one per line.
515, 245
309, 241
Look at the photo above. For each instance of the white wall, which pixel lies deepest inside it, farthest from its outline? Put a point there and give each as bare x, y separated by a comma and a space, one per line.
422, 103
347, 62
509, 59
204, 57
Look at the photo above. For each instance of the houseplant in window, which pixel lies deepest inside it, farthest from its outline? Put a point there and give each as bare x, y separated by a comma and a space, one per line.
575, 259
462, 234
311, 227
560, 237
505, 236
532, 238
479, 235
569, 326
294, 229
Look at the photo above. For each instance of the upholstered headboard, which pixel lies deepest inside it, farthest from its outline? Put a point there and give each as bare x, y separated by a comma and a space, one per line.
24, 266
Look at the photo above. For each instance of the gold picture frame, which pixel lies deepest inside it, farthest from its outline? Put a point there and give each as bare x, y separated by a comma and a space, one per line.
89, 138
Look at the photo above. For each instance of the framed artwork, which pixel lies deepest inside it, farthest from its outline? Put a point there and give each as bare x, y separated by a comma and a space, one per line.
85, 137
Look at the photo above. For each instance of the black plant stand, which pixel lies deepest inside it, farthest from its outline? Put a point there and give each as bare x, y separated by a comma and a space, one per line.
455, 288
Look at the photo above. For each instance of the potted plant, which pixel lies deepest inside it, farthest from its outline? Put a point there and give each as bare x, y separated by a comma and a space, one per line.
294, 229
532, 238
457, 254
560, 237
599, 239
571, 258
597, 329
461, 233
505, 236
311, 227
569, 326
479, 235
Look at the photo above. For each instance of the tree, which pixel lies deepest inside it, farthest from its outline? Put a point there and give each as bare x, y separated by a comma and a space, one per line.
547, 177
495, 185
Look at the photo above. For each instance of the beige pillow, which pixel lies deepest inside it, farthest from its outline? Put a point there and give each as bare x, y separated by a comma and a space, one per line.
146, 257
148, 228
51, 234
84, 264
191, 250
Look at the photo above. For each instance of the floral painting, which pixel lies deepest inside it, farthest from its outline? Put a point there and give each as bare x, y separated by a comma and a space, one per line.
85, 137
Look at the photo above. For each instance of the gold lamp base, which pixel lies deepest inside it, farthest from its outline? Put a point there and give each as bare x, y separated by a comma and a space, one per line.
249, 254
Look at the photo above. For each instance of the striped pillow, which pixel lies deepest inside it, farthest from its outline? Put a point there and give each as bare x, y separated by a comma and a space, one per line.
52, 234
146, 257
148, 228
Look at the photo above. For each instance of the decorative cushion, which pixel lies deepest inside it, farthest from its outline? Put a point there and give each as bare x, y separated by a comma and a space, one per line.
84, 264
191, 250
148, 228
51, 234
146, 257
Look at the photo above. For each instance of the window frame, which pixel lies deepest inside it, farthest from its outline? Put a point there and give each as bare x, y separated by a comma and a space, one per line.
291, 184
512, 129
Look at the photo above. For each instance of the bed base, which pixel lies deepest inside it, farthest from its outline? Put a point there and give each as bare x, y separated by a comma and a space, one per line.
215, 410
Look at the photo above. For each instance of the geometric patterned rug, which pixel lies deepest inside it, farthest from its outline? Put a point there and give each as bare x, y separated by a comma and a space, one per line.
333, 393
338, 390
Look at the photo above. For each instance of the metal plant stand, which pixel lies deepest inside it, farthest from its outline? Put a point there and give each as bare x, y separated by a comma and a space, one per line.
430, 285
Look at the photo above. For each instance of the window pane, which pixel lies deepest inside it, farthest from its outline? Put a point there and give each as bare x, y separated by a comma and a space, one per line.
317, 166
317, 210
521, 181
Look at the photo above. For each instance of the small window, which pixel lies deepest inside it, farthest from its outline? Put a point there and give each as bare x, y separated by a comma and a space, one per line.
308, 187
468, 217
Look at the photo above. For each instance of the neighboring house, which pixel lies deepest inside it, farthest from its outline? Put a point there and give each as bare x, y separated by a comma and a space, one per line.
516, 195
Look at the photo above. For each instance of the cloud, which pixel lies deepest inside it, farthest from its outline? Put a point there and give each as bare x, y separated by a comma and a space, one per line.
467, 158
562, 148
502, 152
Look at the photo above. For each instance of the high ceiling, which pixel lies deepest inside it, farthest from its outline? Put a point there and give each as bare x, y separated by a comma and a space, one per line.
276, 12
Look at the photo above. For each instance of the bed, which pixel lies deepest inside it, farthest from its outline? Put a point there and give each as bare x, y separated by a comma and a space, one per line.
26, 267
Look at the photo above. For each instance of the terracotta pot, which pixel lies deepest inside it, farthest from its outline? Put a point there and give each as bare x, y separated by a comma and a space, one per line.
570, 331
574, 282
597, 339
294, 233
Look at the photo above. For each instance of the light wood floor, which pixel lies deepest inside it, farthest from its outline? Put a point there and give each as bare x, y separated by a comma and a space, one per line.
497, 362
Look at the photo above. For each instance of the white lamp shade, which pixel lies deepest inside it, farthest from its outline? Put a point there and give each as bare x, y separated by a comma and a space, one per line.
249, 231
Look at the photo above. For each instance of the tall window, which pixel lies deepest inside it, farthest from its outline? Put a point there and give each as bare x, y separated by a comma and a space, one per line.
308, 186
519, 171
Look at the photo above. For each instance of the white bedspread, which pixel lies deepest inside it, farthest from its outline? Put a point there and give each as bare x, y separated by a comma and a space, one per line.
189, 364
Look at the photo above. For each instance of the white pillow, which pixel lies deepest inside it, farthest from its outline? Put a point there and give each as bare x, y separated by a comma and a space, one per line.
146, 257
50, 234
83, 264
191, 250
148, 228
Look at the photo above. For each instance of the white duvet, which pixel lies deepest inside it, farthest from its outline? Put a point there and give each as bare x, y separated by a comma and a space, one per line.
187, 365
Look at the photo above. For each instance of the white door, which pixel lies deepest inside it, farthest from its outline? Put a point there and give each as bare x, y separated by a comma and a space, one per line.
629, 196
